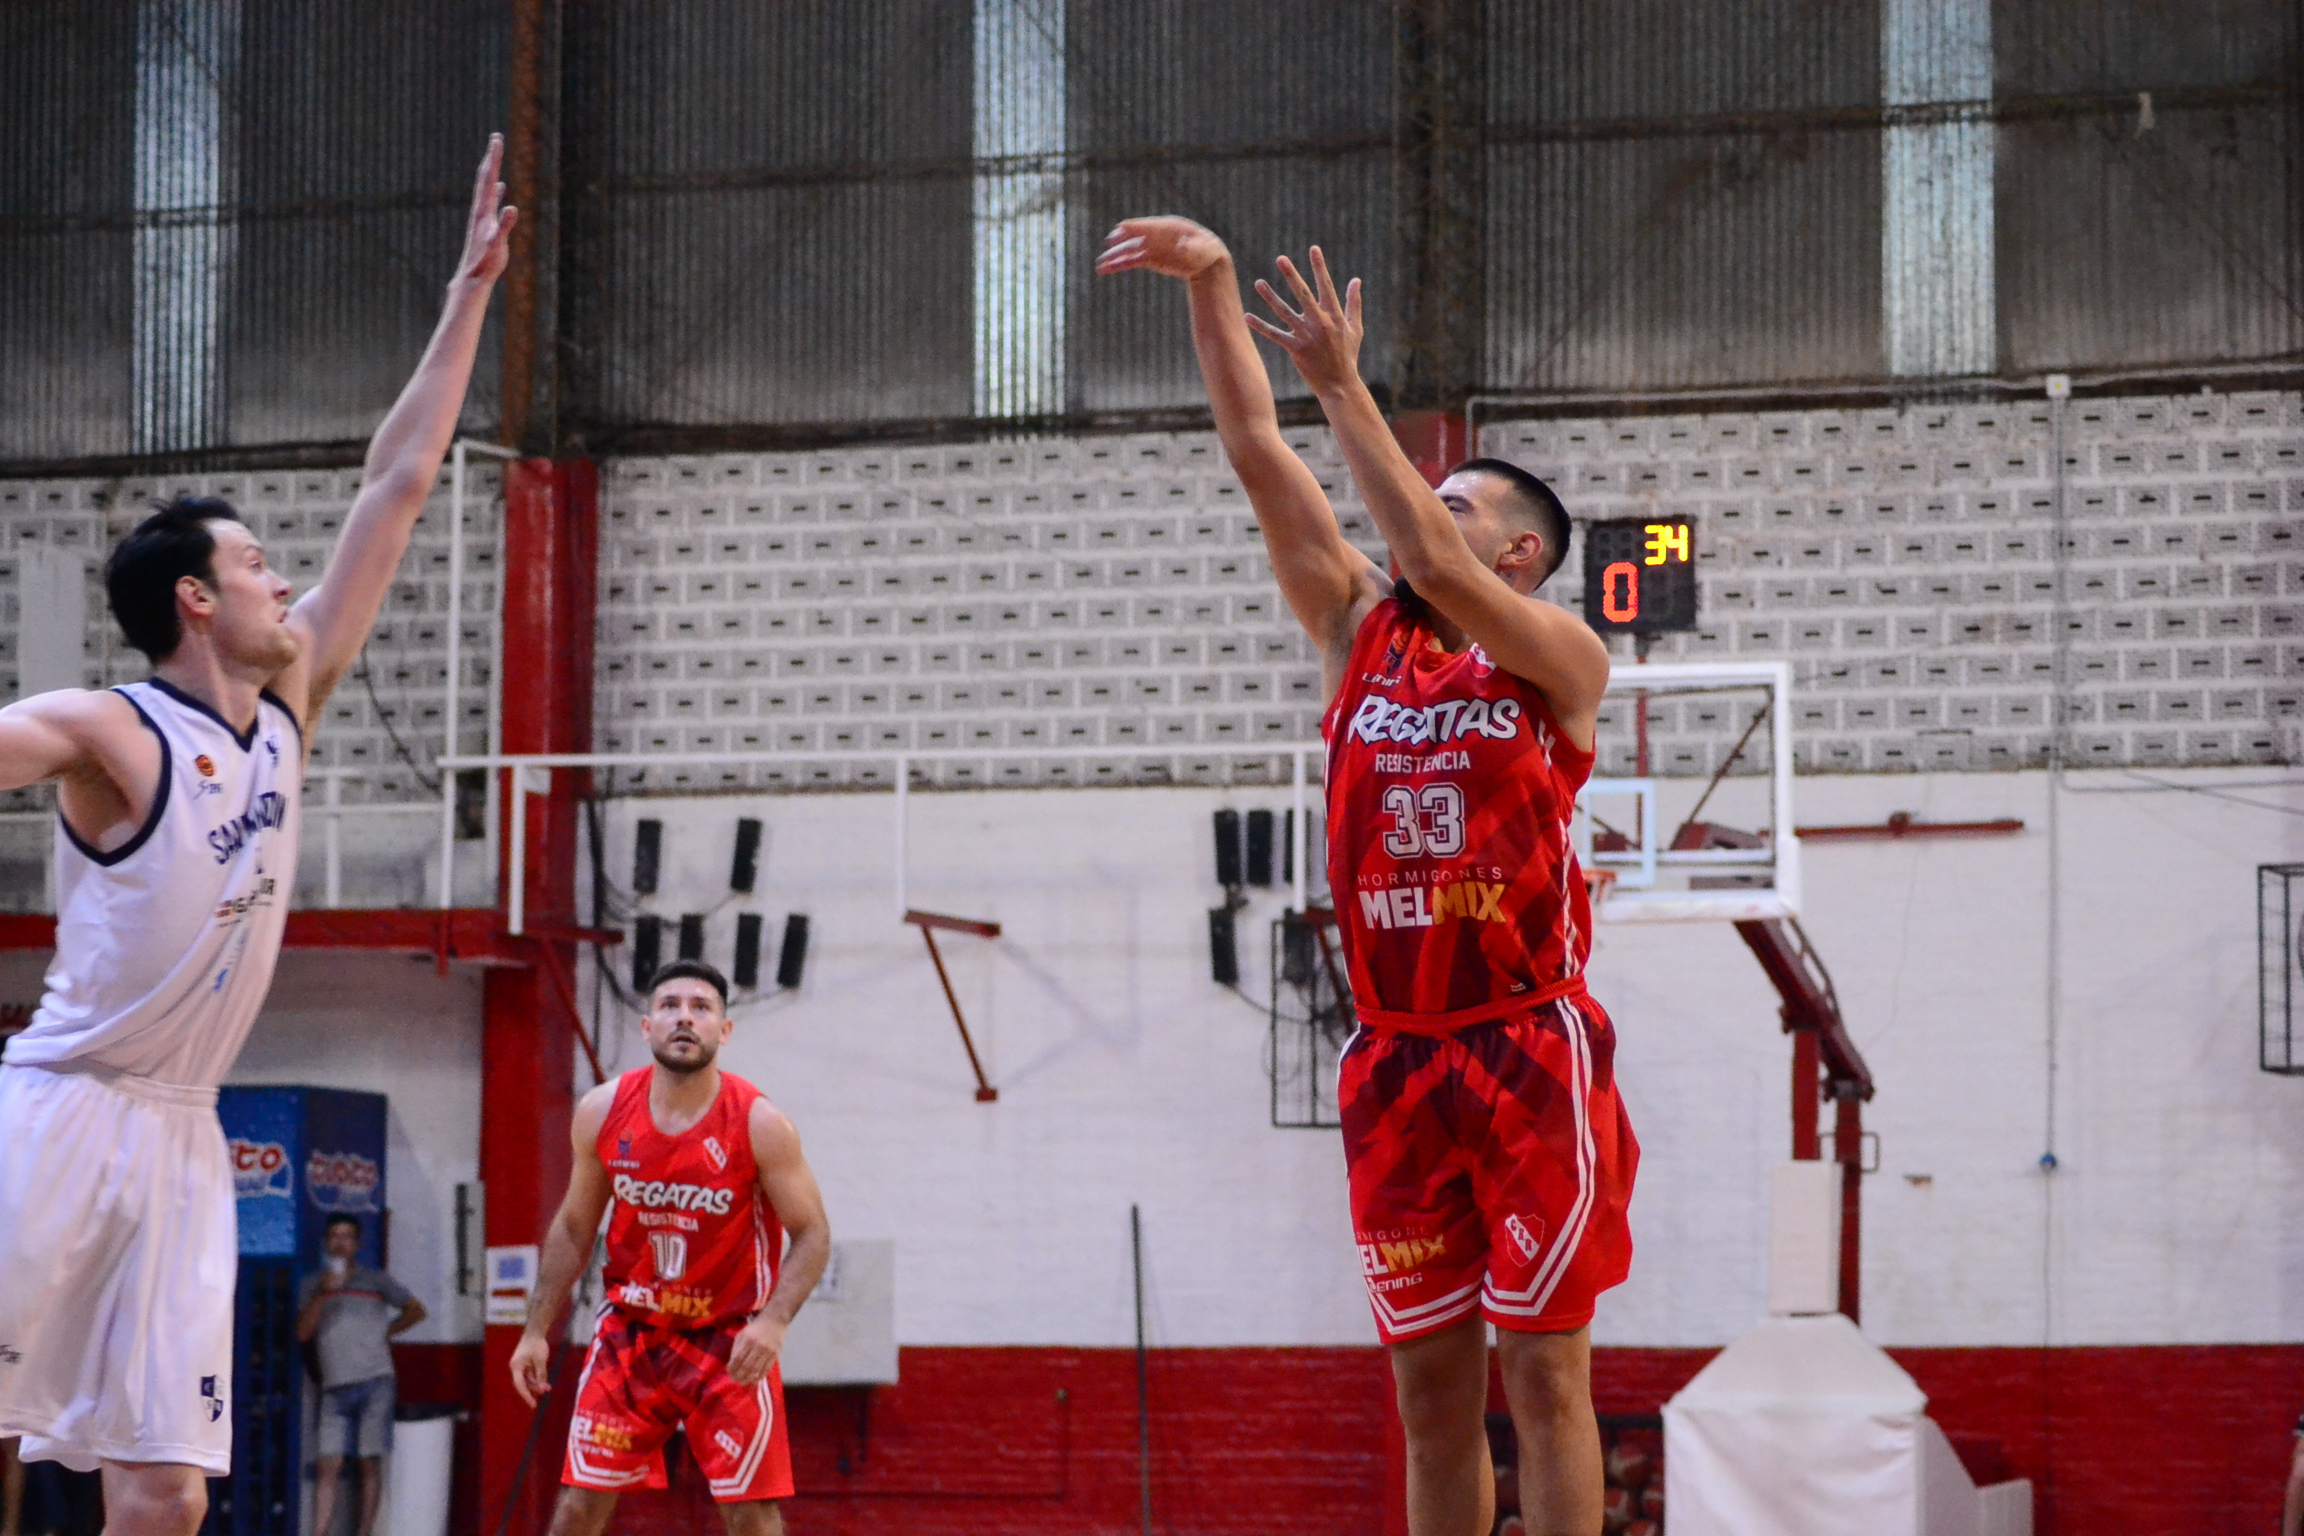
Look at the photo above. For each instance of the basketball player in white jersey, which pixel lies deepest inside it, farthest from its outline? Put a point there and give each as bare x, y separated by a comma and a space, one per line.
178, 801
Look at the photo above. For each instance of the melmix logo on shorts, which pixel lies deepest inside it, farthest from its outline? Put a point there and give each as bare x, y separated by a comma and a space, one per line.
260, 1170
342, 1181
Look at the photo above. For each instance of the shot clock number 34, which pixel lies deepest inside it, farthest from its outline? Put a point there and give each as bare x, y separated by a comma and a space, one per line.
1640, 575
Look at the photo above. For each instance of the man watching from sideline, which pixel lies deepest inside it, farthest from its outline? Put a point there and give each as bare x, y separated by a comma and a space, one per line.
350, 1314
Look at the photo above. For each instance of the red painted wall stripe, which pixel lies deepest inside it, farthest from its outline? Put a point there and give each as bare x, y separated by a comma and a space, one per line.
2147, 1441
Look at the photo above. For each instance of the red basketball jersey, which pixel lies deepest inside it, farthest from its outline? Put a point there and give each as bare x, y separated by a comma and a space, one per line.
691, 1240
1450, 787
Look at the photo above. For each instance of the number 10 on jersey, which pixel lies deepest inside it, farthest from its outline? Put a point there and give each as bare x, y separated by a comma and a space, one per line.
1640, 575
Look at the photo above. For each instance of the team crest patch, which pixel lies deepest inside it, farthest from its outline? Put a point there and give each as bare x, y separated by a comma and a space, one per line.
1527, 1236
206, 765
715, 1151
213, 1398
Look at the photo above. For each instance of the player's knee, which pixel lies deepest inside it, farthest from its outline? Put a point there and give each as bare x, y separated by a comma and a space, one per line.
1545, 1375
163, 1507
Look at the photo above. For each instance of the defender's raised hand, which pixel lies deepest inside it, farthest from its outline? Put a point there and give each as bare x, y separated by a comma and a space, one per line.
1323, 337
1170, 246
488, 232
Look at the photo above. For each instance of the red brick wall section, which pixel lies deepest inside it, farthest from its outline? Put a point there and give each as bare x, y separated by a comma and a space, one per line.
1031, 1442
2160, 1441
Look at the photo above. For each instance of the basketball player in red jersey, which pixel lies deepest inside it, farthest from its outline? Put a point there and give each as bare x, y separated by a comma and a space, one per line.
1490, 1161
700, 1178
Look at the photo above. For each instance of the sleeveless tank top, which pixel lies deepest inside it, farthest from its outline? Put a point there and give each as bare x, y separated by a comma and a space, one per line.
165, 945
691, 1240
1450, 788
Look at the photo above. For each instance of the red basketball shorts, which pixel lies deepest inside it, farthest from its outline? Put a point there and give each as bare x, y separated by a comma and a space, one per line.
641, 1382
1491, 1168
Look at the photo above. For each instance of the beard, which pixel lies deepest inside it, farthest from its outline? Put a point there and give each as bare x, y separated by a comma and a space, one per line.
694, 1056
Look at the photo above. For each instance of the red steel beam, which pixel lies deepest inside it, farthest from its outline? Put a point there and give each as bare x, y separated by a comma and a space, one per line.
474, 935
928, 923
527, 1049
1903, 824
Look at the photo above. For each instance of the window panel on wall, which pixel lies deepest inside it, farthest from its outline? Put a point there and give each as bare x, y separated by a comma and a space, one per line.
1682, 194
788, 207
2127, 241
2073, 47
67, 111
2182, 244
1658, 263
358, 130
1269, 123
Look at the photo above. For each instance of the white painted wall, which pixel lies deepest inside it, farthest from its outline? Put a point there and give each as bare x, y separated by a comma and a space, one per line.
1126, 1076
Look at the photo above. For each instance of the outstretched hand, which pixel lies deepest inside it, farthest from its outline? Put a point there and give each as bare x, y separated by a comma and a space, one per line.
1323, 337
488, 233
1168, 245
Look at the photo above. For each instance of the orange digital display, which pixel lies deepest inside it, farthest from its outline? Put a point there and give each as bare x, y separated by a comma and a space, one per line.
1640, 575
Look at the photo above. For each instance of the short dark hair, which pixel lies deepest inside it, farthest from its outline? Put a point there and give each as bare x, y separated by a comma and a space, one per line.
1537, 503
141, 575
695, 970
341, 1219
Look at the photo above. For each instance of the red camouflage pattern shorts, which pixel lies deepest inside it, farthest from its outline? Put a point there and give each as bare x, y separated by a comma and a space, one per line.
1491, 1168
642, 1381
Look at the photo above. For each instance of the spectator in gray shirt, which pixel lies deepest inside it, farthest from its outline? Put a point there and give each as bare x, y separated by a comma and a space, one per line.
350, 1313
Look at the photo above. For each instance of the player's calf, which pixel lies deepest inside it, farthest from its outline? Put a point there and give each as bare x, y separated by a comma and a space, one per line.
582, 1511
753, 1517
1548, 1386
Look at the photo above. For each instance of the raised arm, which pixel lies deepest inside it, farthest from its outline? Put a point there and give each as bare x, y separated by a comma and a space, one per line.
1547, 645
333, 619
790, 1186
567, 1245
1329, 585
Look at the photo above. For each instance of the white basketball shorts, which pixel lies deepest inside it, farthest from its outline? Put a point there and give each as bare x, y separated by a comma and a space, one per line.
119, 1253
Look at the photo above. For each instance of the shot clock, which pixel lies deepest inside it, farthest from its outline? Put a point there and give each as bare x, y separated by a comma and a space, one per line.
1640, 575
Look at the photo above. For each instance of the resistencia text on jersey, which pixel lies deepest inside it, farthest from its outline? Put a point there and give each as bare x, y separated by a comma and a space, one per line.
657, 1194
267, 811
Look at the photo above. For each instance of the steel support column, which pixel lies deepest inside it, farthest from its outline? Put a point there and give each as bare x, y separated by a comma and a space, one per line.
551, 533
1439, 155
1848, 1151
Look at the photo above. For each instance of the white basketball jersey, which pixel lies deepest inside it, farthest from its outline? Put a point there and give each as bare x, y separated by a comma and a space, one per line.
165, 945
